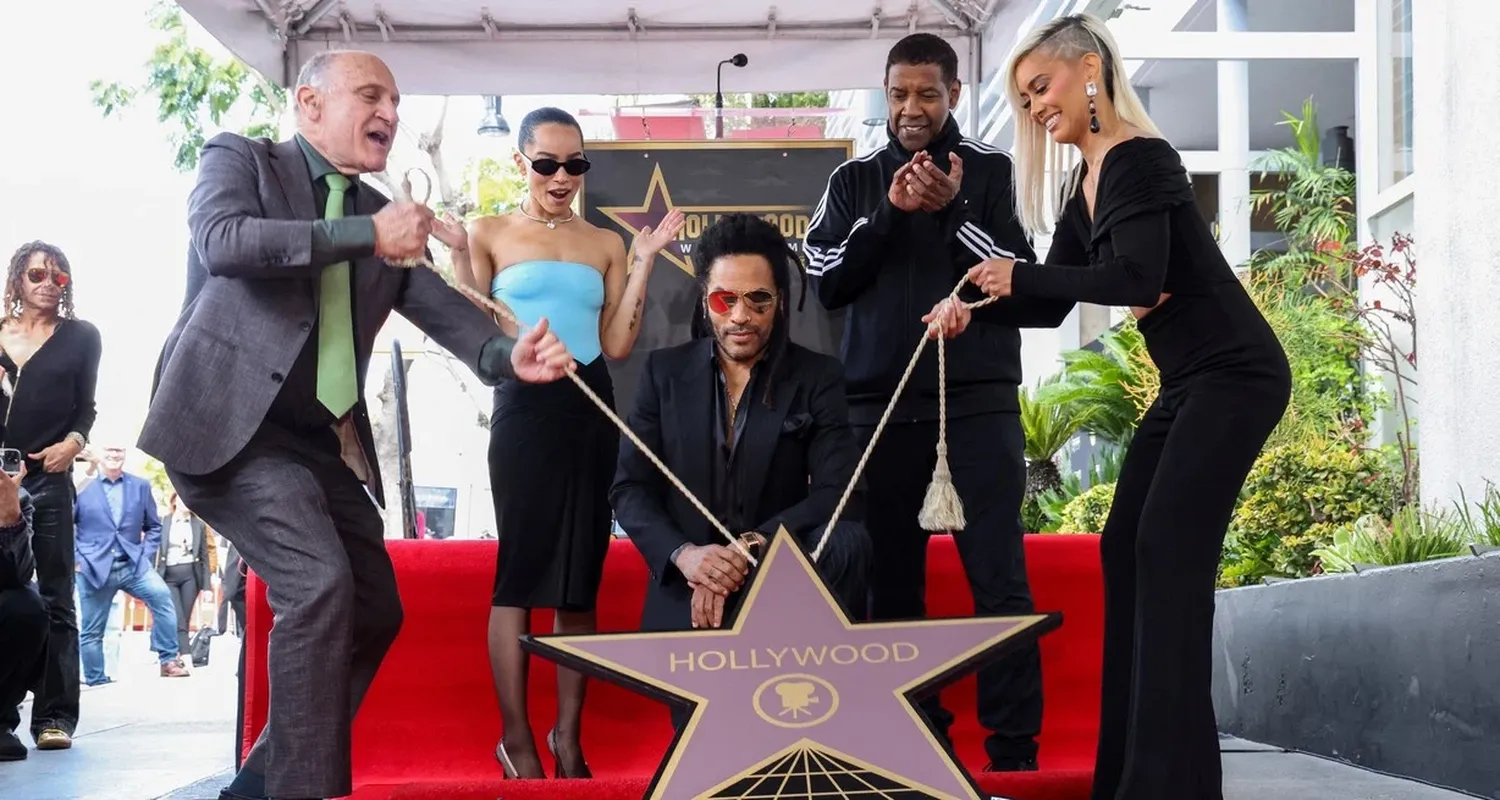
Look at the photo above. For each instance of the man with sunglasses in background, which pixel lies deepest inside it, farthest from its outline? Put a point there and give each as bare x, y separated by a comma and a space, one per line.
49, 366
895, 232
757, 428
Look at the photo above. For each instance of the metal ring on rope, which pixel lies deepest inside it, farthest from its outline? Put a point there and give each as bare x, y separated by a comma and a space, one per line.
406, 184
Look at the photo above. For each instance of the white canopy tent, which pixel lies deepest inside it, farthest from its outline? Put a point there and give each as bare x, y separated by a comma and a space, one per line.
463, 47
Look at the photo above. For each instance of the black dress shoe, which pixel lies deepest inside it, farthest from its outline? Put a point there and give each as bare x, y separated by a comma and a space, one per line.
11, 747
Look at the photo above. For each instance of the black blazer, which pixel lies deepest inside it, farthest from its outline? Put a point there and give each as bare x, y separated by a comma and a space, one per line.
200, 549
793, 463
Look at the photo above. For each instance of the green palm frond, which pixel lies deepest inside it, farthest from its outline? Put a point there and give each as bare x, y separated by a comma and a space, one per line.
1048, 425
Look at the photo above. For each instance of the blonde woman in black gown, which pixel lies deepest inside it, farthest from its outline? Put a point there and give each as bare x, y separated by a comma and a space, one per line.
1129, 233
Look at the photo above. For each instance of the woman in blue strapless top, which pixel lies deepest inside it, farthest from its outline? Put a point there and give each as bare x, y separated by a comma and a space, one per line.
552, 452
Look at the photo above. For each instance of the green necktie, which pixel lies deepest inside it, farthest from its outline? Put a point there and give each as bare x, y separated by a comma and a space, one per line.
336, 382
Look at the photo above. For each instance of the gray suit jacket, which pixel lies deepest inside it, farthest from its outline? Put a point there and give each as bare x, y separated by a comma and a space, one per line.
252, 299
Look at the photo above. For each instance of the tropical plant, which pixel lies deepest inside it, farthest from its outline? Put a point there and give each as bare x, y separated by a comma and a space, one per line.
1412, 536
1087, 512
1109, 388
1314, 206
1331, 395
1294, 500
1104, 467
1486, 529
1048, 428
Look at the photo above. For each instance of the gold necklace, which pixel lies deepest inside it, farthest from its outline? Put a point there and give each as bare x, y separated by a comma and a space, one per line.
550, 223
734, 409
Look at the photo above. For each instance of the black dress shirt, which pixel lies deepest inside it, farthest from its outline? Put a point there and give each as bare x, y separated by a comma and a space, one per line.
724, 498
726, 502
296, 407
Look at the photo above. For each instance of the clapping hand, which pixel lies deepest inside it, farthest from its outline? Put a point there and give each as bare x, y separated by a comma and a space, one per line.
933, 188
650, 241
901, 194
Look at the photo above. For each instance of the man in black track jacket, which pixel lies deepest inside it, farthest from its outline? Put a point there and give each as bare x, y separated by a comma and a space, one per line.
894, 234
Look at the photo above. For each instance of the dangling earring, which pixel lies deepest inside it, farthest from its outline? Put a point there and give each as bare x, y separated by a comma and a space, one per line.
1091, 89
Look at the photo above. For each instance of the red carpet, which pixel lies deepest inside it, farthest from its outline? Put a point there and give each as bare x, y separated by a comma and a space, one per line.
429, 725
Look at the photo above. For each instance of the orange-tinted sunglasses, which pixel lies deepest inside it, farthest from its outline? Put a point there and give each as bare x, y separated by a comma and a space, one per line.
722, 301
39, 275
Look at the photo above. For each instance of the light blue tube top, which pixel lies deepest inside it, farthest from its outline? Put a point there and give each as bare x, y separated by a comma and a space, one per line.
569, 295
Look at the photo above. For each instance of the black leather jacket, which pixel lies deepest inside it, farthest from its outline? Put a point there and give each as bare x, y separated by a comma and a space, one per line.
16, 560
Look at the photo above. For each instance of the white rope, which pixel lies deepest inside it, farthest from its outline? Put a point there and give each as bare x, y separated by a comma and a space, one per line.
911, 366
625, 429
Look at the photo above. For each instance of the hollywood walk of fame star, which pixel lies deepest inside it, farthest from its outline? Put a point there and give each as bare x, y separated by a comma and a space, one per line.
794, 697
657, 204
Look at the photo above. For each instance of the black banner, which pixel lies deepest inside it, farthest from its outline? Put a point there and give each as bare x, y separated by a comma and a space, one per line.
635, 183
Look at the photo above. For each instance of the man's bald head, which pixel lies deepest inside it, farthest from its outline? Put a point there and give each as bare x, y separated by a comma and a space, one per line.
346, 107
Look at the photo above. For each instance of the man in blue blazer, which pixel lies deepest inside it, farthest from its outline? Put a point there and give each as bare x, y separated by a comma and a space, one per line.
118, 532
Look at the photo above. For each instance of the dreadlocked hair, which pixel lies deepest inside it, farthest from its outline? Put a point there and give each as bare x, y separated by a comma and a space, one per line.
53, 257
742, 234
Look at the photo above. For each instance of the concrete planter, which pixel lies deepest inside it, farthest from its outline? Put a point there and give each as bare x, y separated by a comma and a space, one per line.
1396, 669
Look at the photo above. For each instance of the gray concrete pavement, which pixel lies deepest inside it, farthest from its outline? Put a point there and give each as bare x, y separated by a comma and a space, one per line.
151, 738
141, 737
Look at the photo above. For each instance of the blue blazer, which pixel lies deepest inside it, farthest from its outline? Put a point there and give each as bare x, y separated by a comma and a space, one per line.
138, 535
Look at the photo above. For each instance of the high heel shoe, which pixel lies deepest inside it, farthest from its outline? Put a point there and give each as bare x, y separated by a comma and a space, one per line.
506, 768
557, 765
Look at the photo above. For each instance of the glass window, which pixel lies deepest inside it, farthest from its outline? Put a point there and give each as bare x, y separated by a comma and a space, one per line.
1395, 91
436, 506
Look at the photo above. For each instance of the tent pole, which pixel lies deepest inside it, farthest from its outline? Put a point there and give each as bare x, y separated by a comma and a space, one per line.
976, 76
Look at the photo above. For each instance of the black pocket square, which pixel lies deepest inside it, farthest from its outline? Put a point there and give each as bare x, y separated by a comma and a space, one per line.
796, 423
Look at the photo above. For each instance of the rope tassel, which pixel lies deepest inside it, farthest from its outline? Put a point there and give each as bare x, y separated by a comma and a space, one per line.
942, 508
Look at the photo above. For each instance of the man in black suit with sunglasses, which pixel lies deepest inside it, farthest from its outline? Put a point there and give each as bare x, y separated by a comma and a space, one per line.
757, 428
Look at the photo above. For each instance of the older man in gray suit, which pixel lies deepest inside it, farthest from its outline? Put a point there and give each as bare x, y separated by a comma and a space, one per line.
257, 412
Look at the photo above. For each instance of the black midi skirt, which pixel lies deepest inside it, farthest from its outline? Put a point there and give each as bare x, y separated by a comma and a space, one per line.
552, 459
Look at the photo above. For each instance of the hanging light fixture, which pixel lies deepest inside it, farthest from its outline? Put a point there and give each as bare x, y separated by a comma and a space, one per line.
494, 123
